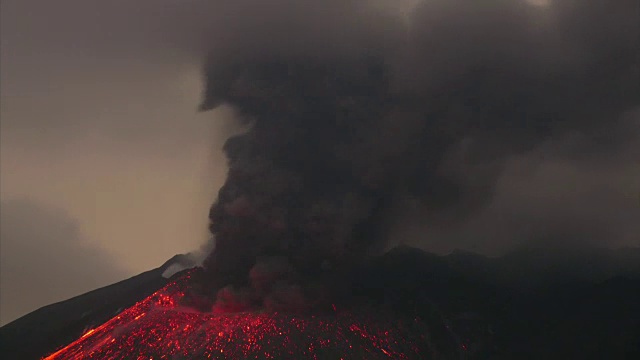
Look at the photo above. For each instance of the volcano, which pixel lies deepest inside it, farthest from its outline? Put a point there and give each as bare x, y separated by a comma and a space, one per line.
173, 323
412, 305
364, 128
158, 327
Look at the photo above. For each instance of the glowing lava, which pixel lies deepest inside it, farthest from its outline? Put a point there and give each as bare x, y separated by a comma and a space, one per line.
158, 328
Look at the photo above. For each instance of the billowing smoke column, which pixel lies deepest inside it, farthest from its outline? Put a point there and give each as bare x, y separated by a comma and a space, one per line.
355, 112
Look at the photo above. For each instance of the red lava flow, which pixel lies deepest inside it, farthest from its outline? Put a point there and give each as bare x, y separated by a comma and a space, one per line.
157, 328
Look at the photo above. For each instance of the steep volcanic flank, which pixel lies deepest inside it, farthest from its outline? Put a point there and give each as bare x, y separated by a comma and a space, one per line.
159, 327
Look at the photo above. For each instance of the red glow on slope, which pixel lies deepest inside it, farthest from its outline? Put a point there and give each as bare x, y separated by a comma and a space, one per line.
158, 328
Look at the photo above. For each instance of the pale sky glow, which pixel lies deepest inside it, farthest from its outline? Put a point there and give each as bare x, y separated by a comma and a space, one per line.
146, 192
539, 3
102, 138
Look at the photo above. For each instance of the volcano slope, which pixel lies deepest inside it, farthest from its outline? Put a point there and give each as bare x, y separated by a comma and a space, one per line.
50, 327
159, 327
410, 304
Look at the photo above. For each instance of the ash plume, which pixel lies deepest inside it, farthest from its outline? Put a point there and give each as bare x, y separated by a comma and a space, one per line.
356, 111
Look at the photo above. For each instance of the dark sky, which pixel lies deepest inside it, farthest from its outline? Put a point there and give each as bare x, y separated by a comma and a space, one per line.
100, 140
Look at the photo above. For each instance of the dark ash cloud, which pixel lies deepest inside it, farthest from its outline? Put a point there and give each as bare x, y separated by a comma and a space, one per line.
567, 192
358, 113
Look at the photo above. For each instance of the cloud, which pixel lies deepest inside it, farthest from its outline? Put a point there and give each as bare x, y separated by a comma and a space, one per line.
99, 118
45, 258
98, 98
570, 191
368, 127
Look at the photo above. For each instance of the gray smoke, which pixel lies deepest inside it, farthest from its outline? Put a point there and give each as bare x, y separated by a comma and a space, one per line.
357, 111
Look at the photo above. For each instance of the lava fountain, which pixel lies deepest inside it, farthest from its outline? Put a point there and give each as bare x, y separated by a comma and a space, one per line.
159, 327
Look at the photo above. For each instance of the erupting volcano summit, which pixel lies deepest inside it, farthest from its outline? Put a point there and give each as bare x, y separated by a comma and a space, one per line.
159, 328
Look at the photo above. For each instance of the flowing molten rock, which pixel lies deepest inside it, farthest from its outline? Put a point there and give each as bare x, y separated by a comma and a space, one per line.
159, 327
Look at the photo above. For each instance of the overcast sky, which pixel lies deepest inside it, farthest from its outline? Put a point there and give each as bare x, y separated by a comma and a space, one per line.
100, 138
107, 170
